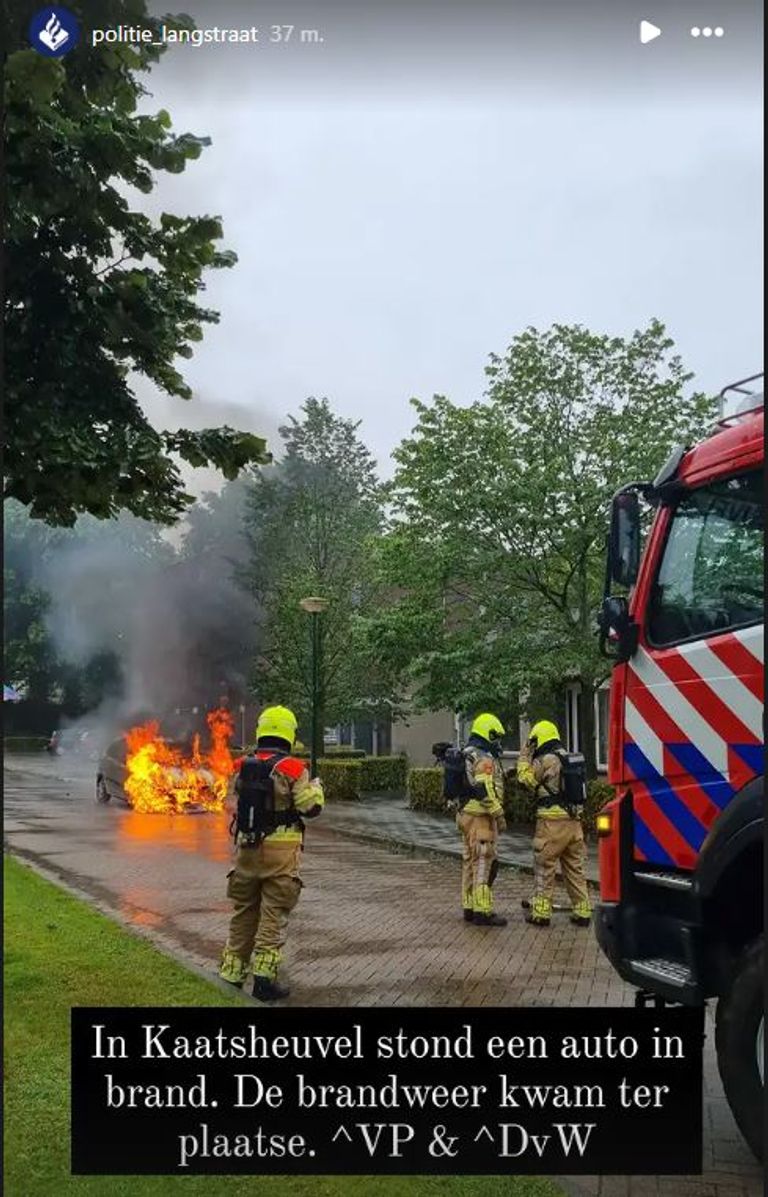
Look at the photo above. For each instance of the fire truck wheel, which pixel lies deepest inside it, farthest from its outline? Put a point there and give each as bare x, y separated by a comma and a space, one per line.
102, 793
739, 1039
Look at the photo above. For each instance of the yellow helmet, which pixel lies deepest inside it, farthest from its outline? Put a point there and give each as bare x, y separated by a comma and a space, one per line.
544, 731
278, 723
487, 726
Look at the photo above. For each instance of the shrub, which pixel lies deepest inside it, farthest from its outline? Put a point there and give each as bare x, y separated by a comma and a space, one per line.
25, 743
425, 790
519, 803
342, 780
384, 773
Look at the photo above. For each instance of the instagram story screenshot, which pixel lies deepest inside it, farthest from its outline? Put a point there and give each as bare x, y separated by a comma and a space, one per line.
383, 770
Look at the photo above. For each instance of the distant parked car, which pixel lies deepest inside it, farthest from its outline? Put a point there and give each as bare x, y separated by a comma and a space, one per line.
79, 742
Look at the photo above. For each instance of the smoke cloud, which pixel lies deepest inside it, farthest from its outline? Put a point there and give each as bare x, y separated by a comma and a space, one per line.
182, 628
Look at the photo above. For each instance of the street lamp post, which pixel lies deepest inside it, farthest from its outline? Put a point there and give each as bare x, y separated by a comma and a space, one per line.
315, 607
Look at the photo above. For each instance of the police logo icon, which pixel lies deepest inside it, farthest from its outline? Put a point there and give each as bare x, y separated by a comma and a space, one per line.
53, 32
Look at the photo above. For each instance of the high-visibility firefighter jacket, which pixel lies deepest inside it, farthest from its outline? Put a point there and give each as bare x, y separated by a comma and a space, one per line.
486, 776
541, 773
293, 791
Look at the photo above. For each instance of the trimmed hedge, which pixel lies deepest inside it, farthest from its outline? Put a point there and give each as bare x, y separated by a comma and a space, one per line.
342, 780
384, 773
425, 792
25, 743
347, 780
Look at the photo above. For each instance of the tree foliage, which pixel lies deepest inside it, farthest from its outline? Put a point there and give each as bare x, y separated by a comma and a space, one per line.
95, 289
499, 513
310, 520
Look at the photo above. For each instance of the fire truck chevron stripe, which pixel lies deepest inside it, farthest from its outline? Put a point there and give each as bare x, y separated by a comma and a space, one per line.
721, 713
716, 787
685, 716
731, 689
648, 845
648, 740
753, 639
738, 659
666, 756
673, 845
752, 755
682, 821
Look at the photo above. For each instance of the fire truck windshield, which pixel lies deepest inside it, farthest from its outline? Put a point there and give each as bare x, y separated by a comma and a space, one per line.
710, 577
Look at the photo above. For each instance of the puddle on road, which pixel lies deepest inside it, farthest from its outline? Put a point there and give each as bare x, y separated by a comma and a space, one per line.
141, 918
200, 834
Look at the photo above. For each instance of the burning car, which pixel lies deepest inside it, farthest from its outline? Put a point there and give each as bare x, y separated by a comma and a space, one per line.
154, 775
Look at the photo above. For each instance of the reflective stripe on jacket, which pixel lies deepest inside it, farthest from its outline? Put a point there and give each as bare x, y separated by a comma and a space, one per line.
542, 775
293, 791
484, 771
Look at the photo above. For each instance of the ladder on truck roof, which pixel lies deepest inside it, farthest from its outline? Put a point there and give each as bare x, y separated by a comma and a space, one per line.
752, 400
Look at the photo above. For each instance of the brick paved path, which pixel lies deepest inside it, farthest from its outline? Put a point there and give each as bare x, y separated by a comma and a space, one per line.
372, 928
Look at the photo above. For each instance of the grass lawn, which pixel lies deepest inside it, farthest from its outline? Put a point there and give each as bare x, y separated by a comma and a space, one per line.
61, 953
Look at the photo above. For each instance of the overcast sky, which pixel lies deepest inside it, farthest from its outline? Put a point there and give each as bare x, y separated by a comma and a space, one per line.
408, 194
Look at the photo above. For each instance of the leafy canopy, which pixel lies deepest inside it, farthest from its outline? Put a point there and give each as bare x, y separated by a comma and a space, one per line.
310, 520
499, 511
95, 289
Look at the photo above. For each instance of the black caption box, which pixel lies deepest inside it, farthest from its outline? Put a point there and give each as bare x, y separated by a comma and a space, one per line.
386, 1091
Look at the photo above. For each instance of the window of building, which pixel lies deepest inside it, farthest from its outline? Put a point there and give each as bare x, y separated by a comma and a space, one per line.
711, 574
572, 717
364, 735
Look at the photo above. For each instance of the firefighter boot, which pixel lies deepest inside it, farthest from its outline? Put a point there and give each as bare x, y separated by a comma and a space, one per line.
539, 912
267, 990
232, 969
578, 921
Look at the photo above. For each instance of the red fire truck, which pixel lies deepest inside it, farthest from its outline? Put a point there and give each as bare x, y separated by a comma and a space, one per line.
681, 843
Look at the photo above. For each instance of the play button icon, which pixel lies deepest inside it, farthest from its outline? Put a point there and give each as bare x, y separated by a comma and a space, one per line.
648, 32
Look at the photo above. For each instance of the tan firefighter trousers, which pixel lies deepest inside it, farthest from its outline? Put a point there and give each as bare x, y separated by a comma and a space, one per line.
559, 840
264, 887
478, 834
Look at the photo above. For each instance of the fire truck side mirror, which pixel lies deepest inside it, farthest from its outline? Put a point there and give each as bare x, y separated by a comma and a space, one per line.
618, 632
624, 540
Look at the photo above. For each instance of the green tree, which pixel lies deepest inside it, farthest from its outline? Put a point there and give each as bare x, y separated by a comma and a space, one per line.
310, 520
95, 289
499, 515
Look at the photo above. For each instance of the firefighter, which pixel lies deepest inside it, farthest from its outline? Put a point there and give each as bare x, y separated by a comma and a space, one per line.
275, 796
480, 820
559, 835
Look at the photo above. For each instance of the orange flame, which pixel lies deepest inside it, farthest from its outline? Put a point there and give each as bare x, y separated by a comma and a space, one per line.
162, 779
